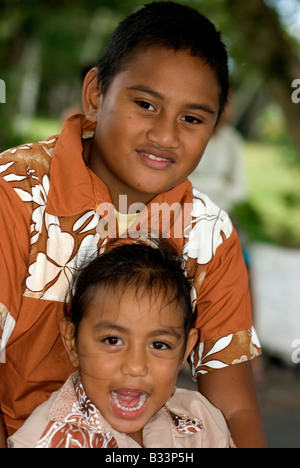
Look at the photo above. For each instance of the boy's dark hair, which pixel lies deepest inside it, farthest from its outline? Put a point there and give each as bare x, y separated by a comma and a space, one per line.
169, 25
147, 269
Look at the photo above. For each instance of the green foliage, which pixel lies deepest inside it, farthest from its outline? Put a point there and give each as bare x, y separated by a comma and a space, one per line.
272, 211
70, 36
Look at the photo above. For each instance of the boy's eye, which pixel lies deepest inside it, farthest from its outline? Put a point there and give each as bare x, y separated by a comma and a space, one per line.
191, 120
159, 345
145, 105
113, 341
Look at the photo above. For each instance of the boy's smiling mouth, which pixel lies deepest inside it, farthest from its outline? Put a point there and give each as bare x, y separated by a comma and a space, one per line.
156, 159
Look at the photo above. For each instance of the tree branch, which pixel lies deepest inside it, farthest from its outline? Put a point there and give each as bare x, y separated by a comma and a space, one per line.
272, 51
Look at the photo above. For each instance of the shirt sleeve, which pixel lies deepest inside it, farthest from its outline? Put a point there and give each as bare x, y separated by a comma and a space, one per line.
224, 317
14, 248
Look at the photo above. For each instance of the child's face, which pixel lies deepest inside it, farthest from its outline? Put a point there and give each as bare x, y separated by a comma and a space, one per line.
153, 123
129, 352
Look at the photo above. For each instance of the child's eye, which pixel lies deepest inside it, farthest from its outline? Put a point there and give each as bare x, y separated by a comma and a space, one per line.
159, 345
113, 341
145, 105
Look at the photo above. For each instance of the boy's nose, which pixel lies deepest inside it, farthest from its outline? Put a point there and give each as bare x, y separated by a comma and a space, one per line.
164, 132
135, 363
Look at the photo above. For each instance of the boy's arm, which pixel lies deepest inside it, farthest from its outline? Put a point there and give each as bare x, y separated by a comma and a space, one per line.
232, 391
2, 436
14, 246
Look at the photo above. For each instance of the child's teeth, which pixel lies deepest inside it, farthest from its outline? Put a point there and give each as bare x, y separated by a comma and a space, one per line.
142, 400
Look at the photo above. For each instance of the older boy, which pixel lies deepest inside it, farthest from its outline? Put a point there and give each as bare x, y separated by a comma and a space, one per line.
150, 106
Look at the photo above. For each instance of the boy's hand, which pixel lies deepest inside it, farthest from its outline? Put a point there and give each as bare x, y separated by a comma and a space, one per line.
232, 390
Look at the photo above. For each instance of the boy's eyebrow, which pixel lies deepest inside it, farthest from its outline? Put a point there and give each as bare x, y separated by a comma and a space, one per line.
158, 95
146, 89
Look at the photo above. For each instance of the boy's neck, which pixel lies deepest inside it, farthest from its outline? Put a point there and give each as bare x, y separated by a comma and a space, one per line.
124, 199
118, 193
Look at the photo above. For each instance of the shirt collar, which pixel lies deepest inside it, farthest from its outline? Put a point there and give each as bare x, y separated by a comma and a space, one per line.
74, 189
73, 405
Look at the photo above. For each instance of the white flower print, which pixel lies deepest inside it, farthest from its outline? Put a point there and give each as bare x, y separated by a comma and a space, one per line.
4, 167
39, 196
91, 218
51, 273
204, 232
220, 345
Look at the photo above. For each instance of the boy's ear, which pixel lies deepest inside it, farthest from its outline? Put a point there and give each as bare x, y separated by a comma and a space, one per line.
67, 333
191, 343
91, 93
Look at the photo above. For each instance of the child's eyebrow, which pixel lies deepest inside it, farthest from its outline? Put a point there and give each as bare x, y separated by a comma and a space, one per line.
109, 326
158, 95
167, 332
106, 325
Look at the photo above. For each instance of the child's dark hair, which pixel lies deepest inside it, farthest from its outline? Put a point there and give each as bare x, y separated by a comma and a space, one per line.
147, 269
169, 25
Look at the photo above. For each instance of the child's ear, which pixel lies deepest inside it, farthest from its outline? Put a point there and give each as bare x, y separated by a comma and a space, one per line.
67, 333
191, 343
91, 93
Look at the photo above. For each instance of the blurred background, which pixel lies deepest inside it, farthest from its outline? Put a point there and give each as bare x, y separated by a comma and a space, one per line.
47, 46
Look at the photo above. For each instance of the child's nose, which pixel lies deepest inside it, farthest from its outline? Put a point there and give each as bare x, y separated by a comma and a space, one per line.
135, 363
164, 132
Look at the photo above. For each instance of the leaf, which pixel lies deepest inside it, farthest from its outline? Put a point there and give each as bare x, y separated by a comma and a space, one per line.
221, 344
215, 364
25, 196
81, 221
14, 178
4, 167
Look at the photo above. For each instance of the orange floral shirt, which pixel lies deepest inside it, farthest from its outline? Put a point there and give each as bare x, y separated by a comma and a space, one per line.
54, 215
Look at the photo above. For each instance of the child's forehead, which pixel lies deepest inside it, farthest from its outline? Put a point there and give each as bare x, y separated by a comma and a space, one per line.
130, 304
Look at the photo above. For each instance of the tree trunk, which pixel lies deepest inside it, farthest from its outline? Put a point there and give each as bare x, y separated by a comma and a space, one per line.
274, 55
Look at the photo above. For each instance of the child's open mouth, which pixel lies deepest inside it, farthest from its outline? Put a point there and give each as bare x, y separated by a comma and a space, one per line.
128, 403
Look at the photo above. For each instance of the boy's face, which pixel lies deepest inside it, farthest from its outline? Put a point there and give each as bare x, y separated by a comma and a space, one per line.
153, 123
129, 350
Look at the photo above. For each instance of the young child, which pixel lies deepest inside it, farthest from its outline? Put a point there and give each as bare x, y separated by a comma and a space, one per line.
129, 331
150, 105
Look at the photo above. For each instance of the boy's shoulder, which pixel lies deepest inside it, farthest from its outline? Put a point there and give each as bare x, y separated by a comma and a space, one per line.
23, 161
209, 228
25, 169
